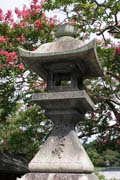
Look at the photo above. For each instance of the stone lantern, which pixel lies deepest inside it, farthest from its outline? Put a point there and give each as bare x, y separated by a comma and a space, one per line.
63, 64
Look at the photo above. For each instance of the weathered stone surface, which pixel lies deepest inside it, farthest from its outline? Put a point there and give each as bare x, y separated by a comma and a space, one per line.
61, 152
58, 176
79, 100
66, 30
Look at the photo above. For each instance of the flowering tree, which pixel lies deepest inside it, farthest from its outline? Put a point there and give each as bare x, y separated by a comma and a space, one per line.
33, 28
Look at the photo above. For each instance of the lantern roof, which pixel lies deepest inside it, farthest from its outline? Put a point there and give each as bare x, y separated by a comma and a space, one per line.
66, 49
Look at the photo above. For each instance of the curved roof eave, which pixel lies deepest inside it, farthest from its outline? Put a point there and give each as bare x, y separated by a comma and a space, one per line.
35, 54
86, 54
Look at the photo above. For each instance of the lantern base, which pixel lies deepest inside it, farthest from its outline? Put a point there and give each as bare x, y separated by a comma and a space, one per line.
58, 176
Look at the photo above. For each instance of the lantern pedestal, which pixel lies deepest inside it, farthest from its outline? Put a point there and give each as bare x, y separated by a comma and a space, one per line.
62, 156
59, 176
62, 151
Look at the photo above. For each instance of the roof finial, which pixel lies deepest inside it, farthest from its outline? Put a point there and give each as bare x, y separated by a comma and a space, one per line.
66, 30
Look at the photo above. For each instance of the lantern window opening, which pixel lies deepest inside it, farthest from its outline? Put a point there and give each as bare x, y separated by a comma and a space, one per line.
62, 79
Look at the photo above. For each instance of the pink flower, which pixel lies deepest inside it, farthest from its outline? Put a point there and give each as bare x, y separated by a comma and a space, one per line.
9, 14
38, 24
11, 58
3, 39
25, 13
21, 67
4, 53
35, 1
9, 17
43, 85
53, 21
1, 12
33, 6
117, 51
1, 15
18, 12
35, 9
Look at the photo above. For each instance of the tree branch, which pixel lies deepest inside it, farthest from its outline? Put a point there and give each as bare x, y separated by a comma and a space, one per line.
116, 20
104, 29
112, 107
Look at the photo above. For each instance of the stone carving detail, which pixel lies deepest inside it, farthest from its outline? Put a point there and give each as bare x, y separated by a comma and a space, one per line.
59, 147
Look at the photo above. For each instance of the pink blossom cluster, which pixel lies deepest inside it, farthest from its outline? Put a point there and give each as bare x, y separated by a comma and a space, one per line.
117, 51
36, 7
1, 15
7, 17
53, 21
27, 13
3, 39
35, 1
4, 53
38, 24
24, 13
18, 12
44, 85
11, 57
21, 66
26, 18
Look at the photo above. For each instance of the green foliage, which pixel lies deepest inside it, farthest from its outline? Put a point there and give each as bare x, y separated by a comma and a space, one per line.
101, 177
26, 126
89, 14
106, 155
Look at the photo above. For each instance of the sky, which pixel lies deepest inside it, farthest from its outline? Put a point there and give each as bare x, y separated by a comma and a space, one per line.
11, 4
